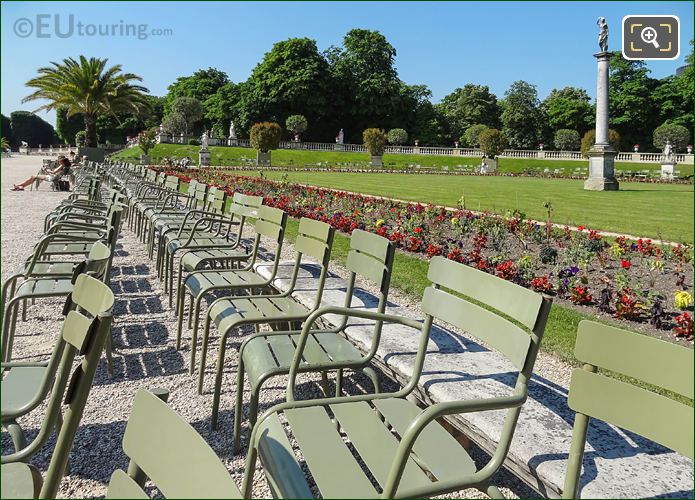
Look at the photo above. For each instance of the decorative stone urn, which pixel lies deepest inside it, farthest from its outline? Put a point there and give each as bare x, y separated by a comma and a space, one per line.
263, 158
376, 161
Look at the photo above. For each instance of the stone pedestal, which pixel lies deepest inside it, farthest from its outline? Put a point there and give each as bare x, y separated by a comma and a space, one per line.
601, 169
144, 159
377, 161
204, 158
263, 159
667, 169
602, 154
339, 147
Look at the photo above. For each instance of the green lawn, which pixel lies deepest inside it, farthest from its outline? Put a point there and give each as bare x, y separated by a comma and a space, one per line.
290, 158
642, 209
652, 210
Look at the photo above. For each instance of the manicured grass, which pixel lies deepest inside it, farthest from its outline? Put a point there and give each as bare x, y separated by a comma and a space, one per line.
651, 210
298, 159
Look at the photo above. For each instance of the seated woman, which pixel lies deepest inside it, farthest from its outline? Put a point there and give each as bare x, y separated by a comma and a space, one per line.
62, 169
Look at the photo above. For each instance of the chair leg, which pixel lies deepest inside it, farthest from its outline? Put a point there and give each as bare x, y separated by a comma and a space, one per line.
238, 405
190, 312
339, 383
203, 353
195, 311
19, 439
324, 383
8, 328
494, 492
219, 368
24, 310
369, 372
178, 284
109, 355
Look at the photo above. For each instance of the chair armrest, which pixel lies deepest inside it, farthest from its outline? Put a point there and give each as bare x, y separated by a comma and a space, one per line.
346, 312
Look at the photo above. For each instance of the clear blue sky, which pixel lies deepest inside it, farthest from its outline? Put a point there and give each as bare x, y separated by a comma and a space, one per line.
443, 45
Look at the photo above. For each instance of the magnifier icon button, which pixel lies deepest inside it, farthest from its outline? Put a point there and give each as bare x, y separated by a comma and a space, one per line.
649, 36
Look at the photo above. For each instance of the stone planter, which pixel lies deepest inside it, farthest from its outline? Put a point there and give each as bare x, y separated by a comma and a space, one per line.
204, 158
263, 158
144, 159
376, 161
667, 170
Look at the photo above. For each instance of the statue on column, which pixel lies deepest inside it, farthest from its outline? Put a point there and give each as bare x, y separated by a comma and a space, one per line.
602, 34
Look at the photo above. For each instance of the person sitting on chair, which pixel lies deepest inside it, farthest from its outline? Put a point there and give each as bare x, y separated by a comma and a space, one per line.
62, 169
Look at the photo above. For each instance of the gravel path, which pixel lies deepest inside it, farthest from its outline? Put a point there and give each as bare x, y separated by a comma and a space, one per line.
145, 356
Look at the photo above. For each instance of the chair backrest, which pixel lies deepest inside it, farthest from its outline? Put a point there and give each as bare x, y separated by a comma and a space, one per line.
271, 223
371, 257
84, 333
197, 195
314, 239
96, 263
653, 416
244, 205
171, 454
451, 280
172, 182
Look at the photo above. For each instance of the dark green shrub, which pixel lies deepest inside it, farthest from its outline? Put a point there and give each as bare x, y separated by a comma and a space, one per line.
677, 134
374, 140
492, 142
590, 138
265, 136
567, 140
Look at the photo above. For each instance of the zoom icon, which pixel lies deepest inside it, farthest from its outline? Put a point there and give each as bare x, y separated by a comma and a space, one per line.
651, 37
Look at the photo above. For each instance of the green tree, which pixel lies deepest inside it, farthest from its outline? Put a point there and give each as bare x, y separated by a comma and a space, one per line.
493, 142
66, 128
416, 113
4, 143
6, 130
223, 107
397, 136
568, 108
297, 124
673, 96
365, 81
522, 116
190, 109
201, 85
147, 139
265, 136
589, 139
81, 138
27, 126
87, 87
292, 78
678, 135
630, 91
567, 140
468, 106
471, 137
174, 123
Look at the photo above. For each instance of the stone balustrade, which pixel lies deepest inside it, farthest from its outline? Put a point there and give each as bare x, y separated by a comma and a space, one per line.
686, 159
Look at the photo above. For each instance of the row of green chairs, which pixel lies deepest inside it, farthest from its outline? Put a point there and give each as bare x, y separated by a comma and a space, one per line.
395, 448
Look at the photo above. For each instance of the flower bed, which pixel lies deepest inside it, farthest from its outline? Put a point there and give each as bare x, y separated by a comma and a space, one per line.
638, 281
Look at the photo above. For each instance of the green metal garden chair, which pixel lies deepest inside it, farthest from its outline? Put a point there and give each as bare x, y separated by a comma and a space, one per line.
27, 385
594, 395
208, 232
315, 240
96, 265
271, 223
187, 468
401, 447
213, 204
268, 354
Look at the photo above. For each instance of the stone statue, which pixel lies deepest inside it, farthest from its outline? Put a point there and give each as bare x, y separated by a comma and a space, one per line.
161, 128
602, 34
232, 132
204, 140
340, 138
668, 152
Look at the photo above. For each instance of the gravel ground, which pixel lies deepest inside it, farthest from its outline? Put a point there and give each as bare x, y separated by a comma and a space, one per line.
145, 356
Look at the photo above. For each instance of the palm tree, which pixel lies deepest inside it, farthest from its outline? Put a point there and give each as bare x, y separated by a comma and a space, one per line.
89, 88
4, 144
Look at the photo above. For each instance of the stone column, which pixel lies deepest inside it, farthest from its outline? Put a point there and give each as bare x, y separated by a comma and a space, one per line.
602, 154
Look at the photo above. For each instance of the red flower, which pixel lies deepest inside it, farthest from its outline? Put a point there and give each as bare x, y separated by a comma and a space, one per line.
581, 228
625, 264
417, 230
